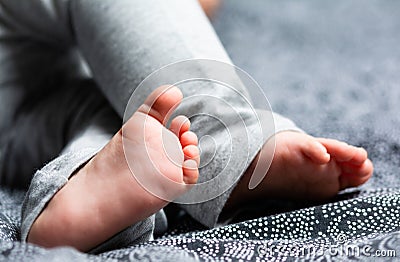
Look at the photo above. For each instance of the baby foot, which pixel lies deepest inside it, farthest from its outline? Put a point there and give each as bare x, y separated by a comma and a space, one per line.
305, 168
103, 197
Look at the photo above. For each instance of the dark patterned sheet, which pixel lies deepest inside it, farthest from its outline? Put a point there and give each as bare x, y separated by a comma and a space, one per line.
333, 67
363, 228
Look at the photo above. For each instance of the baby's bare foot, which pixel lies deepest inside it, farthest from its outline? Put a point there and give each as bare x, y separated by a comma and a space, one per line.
103, 197
306, 168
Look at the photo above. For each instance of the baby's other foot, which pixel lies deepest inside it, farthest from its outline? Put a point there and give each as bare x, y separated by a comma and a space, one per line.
305, 168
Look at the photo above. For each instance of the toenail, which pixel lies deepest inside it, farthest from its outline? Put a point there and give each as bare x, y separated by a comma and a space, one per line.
191, 164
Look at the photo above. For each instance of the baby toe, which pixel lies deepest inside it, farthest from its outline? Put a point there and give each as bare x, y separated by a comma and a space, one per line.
316, 152
360, 155
188, 138
192, 152
355, 175
190, 171
339, 150
179, 125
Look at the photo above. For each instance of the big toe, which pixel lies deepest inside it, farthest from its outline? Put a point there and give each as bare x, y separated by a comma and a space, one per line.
161, 103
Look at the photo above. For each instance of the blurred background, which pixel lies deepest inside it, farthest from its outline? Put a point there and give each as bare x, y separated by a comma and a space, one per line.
331, 66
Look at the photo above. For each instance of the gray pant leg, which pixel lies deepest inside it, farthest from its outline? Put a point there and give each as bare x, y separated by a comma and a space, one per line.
47, 182
124, 42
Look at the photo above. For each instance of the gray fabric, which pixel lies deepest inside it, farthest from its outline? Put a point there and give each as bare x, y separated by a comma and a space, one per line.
47, 182
123, 42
